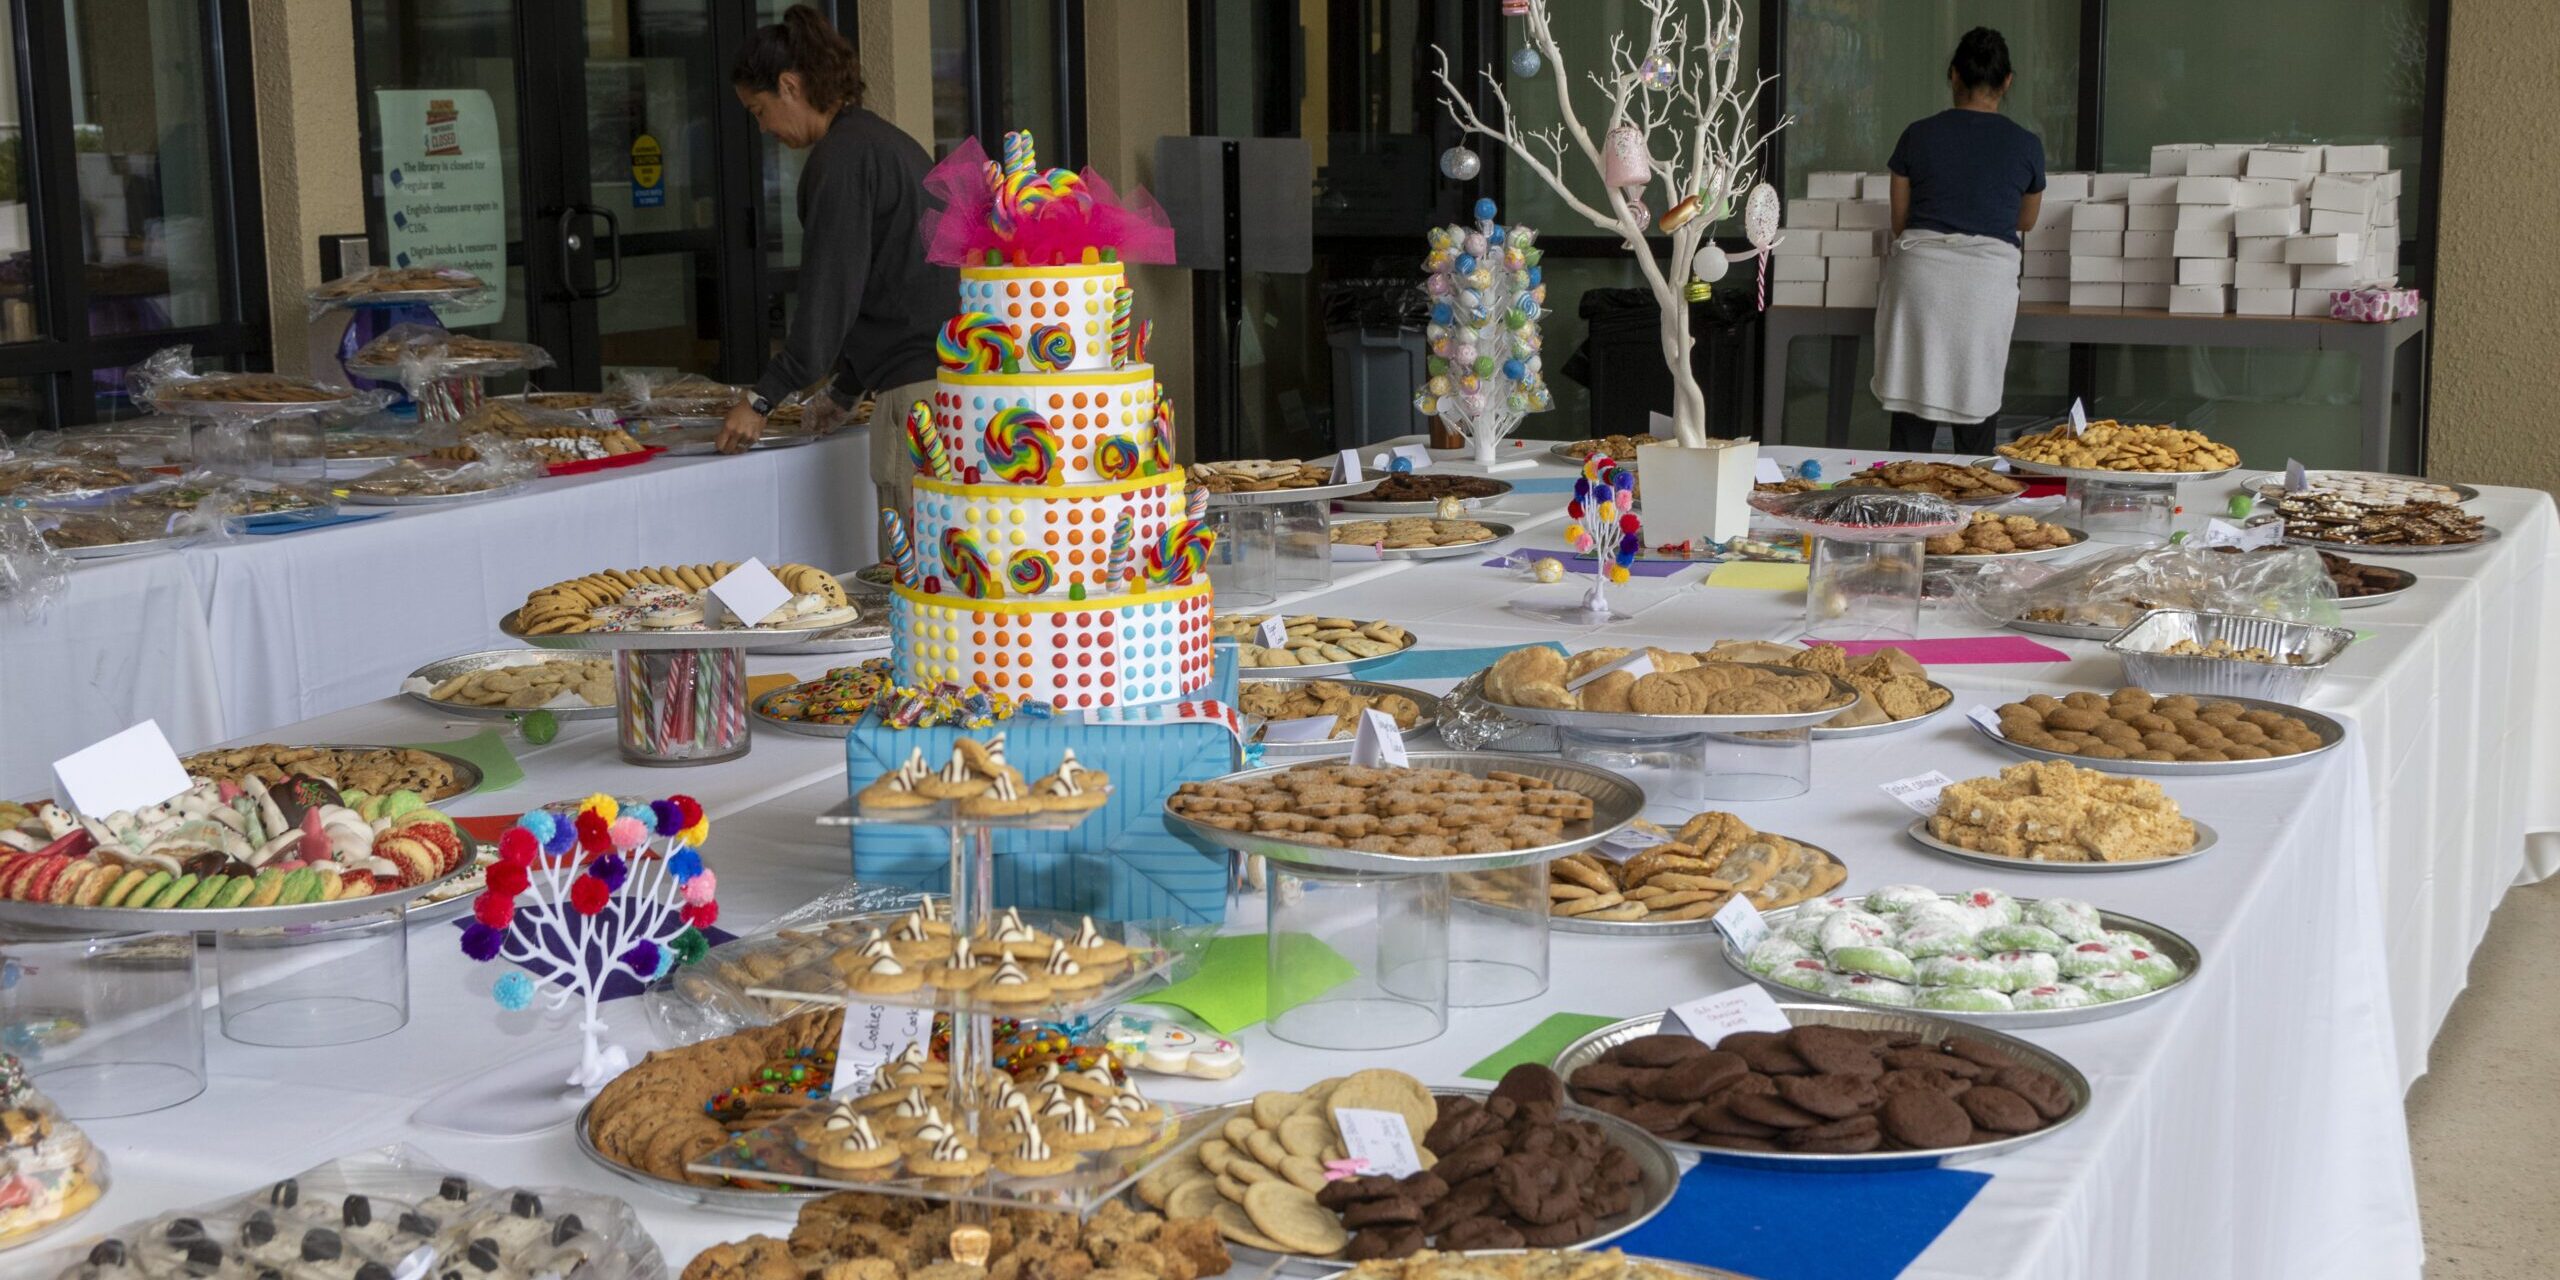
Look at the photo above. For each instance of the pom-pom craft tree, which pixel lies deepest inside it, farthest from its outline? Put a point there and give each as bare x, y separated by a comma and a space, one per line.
1681, 80
587, 895
1484, 371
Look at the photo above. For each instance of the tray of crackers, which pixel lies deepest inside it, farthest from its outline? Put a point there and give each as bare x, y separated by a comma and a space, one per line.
1673, 886
380, 771
1444, 813
1517, 1165
1983, 958
1317, 645
2133, 731
2121, 452
1412, 493
497, 683
1017, 964
670, 607
1827, 1095
1419, 537
1318, 716
2052, 815
1270, 482
1678, 693
1997, 537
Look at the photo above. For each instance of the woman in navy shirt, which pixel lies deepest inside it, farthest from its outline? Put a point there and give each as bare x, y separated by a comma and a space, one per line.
1966, 182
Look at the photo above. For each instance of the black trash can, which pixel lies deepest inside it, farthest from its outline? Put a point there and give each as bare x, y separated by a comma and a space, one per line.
1374, 327
1620, 359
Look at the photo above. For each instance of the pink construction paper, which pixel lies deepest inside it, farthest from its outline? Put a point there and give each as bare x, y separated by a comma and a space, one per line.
1963, 650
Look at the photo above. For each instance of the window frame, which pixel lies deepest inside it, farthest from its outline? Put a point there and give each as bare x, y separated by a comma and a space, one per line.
63, 361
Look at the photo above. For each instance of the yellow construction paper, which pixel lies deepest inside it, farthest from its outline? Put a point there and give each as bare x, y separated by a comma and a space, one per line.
1758, 575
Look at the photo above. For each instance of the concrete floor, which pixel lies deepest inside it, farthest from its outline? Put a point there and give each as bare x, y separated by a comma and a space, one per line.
2483, 1121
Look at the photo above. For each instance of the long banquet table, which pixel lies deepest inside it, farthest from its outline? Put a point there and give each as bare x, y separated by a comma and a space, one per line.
2249, 1125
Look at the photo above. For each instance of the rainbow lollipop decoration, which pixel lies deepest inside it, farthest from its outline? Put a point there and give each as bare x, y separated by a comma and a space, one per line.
1180, 553
978, 342
1115, 457
1031, 572
924, 443
966, 562
1160, 436
1115, 569
1052, 347
1020, 446
902, 553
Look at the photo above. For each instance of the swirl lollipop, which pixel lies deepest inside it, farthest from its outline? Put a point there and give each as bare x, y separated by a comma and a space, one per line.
978, 342
1052, 347
966, 562
1031, 572
1115, 457
1020, 446
924, 443
902, 553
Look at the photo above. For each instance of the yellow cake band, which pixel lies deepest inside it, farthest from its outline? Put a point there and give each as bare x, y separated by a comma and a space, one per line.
1048, 604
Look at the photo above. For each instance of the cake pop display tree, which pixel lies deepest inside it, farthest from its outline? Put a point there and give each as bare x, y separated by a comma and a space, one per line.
1487, 292
1681, 81
1606, 528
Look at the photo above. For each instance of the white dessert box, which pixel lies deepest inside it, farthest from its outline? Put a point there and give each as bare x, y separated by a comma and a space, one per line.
1849, 293
2261, 275
1785, 270
1831, 186
2146, 296
1848, 244
2148, 244
2096, 270
2323, 249
2097, 244
2286, 221
1865, 215
2150, 271
1795, 293
2197, 243
2262, 302
2152, 217
2097, 295
2210, 271
2199, 299
1816, 214
2094, 215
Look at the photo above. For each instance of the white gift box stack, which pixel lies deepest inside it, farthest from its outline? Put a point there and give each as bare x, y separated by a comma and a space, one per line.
2214, 229
1831, 251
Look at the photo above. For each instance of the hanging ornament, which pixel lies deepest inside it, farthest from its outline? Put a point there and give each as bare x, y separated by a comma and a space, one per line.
1658, 73
1626, 161
1699, 290
1525, 62
1760, 216
1459, 164
1515, 8
1710, 264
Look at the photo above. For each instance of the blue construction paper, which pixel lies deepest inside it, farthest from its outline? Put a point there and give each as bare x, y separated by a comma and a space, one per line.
1542, 484
1441, 664
1753, 1221
269, 530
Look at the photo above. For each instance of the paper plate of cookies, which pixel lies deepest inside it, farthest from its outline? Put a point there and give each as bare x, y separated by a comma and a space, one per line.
1259, 1169
1828, 1095
1980, 957
1507, 811
1315, 716
1675, 693
1672, 885
1316, 646
2170, 737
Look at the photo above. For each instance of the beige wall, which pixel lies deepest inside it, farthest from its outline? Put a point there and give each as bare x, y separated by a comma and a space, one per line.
1138, 89
896, 40
2497, 332
310, 152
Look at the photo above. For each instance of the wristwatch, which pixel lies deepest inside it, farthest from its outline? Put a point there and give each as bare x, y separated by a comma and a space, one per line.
757, 402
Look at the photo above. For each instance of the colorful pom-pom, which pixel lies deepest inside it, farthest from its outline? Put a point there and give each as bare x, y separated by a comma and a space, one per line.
642, 959
518, 847
665, 817
696, 834
588, 895
563, 837
685, 865
690, 946
628, 833
540, 824
513, 991
687, 806
612, 868
702, 888
509, 878
595, 831
494, 909
701, 915
480, 942
602, 805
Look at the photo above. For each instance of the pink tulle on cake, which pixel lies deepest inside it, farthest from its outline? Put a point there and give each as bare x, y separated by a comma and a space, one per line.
1035, 219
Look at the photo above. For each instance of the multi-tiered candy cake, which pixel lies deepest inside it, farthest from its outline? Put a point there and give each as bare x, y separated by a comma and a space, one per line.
1053, 552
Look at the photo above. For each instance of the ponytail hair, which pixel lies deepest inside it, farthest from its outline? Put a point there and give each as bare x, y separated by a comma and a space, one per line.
1981, 60
806, 43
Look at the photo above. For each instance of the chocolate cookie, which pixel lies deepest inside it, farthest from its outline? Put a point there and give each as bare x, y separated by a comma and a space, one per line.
1696, 1077
1718, 1118
2000, 1110
1347, 1192
1833, 1097
1481, 1233
1926, 1120
1555, 1235
1393, 1211
1540, 1189
1471, 1159
1459, 1125
1980, 1054
1609, 1078
1772, 1110
1385, 1242
2047, 1095
1839, 1137
1659, 1050
1767, 1053
1425, 1188
1835, 1050
1931, 1060
1461, 1204
1734, 1142
1531, 1082
1659, 1117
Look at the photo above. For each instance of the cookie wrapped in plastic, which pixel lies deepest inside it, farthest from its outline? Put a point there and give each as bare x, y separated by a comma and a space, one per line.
1864, 515
2114, 588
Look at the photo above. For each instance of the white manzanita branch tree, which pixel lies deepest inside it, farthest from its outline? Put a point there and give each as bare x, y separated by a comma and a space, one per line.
1680, 88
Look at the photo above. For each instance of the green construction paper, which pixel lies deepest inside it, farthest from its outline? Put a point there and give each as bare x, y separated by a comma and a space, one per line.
487, 749
1231, 989
1541, 1045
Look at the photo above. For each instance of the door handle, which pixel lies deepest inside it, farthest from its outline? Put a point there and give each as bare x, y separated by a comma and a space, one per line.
564, 227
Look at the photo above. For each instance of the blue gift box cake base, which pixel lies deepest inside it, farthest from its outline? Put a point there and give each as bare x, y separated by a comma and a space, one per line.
1122, 863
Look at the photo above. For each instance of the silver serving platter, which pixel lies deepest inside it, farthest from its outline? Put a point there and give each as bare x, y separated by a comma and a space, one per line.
1322, 670
2488, 534
706, 638
219, 919
805, 728
1423, 506
1588, 1049
1615, 801
1430, 718
2079, 537
438, 368
2154, 478
454, 898
1562, 451
2166, 941
1500, 532
1289, 497
443, 669
395, 297
246, 408
2206, 838
870, 635
1638, 722
1658, 1177
2407, 580
2066, 630
780, 1204
2330, 731
354, 498
1665, 928
1824, 733
139, 547
2271, 485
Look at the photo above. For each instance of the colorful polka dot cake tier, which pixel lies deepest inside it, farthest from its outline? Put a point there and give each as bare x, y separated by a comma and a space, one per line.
1076, 654
1062, 315
1075, 428
1048, 541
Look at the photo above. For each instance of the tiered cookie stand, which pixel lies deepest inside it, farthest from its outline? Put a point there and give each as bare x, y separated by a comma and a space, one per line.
2136, 508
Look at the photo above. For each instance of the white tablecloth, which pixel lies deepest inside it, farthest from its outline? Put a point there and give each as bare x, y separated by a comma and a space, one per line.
225, 641
2248, 1126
